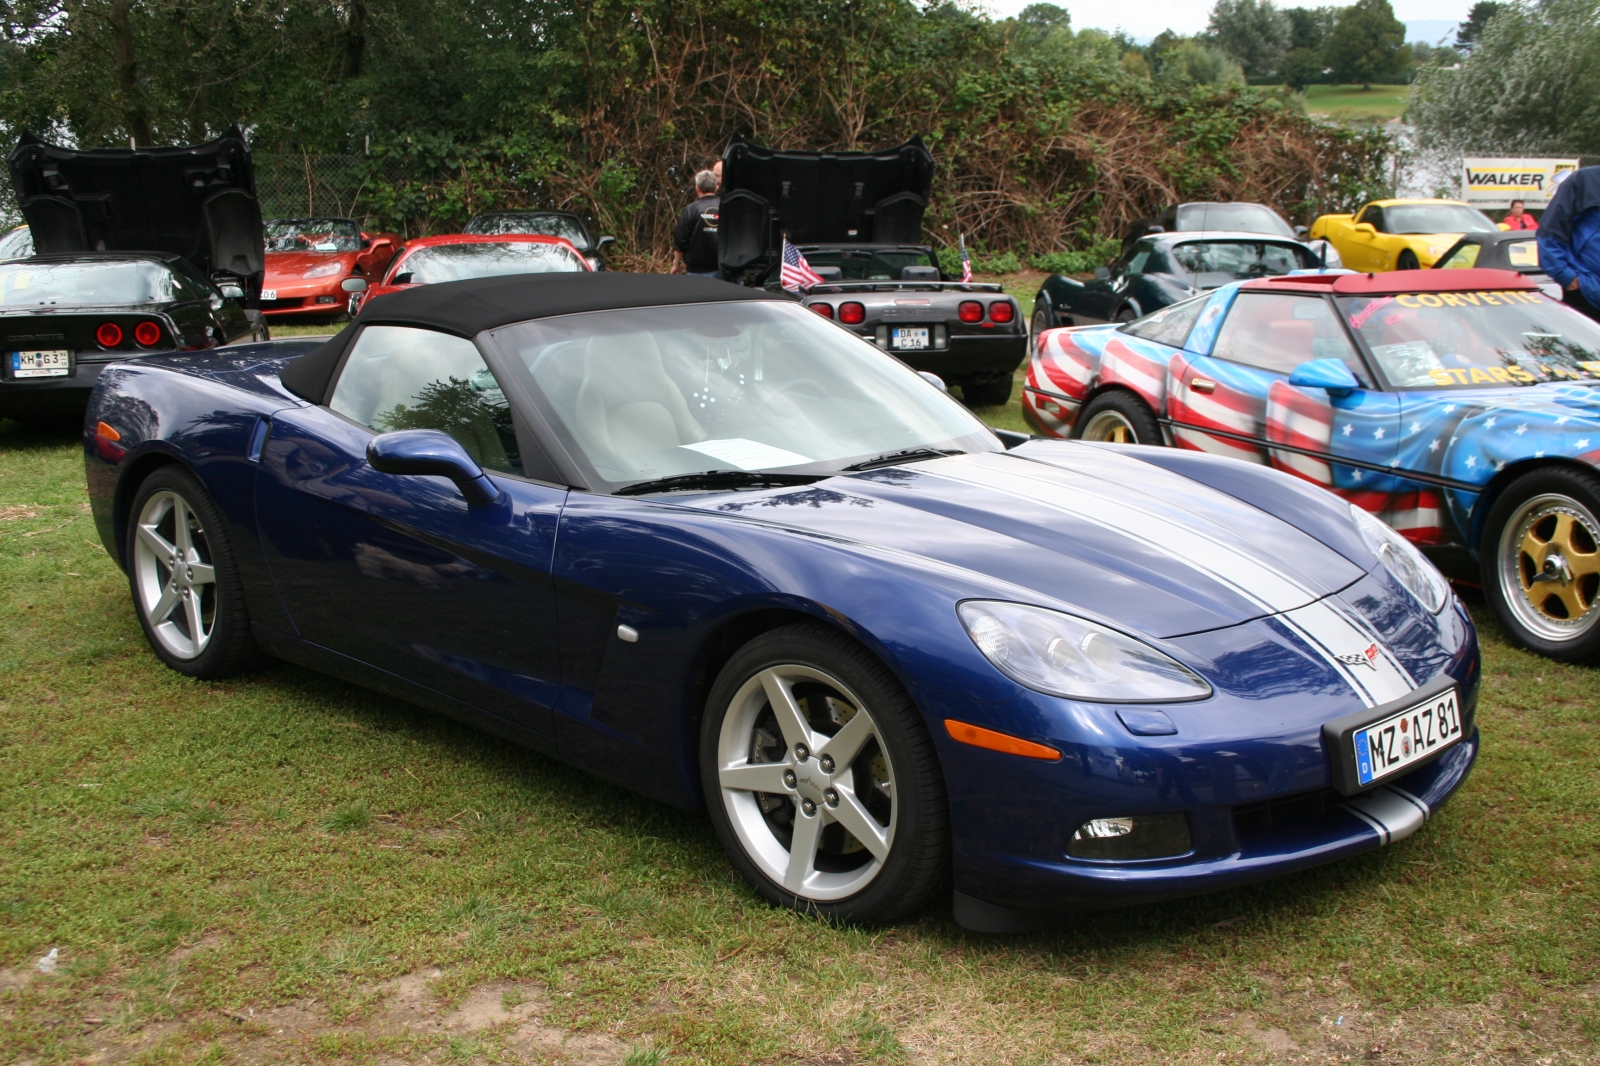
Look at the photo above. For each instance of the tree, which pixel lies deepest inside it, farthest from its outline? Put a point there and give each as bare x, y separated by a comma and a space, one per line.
1253, 33
1309, 27
1530, 84
1300, 67
1367, 43
1469, 31
1192, 62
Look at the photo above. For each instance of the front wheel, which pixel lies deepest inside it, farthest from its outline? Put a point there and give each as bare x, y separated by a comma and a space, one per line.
1407, 261
821, 781
1540, 556
185, 586
1117, 417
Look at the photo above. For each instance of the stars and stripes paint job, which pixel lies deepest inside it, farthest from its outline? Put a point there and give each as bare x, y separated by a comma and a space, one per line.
1454, 442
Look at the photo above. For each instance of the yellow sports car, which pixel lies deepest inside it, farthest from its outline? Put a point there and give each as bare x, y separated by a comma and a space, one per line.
1400, 234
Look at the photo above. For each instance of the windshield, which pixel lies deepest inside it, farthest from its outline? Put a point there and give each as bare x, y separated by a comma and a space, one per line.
1213, 263
1436, 218
655, 392
1242, 218
868, 264
312, 235
26, 283
457, 262
1475, 339
499, 225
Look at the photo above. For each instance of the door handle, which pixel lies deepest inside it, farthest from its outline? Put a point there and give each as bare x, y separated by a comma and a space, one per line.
1205, 385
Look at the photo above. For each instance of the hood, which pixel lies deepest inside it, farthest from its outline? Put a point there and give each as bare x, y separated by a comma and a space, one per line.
1079, 527
293, 264
197, 202
819, 198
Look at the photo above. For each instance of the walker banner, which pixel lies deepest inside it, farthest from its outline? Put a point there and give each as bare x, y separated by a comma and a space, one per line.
1496, 182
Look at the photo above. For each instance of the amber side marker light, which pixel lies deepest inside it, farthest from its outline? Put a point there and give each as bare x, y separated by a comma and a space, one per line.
980, 737
107, 432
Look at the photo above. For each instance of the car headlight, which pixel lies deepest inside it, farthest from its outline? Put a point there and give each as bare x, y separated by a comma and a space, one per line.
326, 270
1408, 565
1061, 655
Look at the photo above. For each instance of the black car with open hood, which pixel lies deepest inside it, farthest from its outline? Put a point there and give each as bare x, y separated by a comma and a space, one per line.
136, 252
856, 217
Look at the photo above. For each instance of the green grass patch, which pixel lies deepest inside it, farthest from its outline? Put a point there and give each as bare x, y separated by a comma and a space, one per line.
194, 852
1357, 106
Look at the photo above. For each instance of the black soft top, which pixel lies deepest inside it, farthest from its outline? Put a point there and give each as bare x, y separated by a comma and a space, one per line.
467, 308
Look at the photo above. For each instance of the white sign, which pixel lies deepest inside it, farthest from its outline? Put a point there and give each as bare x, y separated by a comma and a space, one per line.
1496, 182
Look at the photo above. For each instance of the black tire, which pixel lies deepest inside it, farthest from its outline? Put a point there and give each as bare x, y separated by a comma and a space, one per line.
987, 390
1120, 417
831, 679
1540, 559
1041, 321
1127, 314
165, 498
1407, 260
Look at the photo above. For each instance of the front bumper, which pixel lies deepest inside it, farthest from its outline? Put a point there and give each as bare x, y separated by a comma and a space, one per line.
302, 300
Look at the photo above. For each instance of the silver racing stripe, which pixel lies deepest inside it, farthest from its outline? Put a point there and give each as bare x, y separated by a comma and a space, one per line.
1322, 623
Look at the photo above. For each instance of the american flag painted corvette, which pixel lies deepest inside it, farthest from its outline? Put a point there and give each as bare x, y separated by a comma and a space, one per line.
1426, 446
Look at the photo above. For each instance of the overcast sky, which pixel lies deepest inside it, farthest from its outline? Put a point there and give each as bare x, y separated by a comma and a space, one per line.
1144, 20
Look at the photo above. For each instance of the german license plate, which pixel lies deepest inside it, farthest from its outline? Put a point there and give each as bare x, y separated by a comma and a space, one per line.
1391, 744
47, 364
269, 294
909, 338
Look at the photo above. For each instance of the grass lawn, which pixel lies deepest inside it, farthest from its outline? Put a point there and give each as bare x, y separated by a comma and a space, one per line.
1353, 104
285, 869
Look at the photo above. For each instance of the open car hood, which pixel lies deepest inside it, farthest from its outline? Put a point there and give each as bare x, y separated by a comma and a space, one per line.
819, 198
197, 202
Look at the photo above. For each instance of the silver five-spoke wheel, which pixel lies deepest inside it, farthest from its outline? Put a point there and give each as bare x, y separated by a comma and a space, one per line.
173, 575
807, 783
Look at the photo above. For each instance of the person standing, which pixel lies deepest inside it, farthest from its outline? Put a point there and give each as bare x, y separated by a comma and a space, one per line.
1569, 240
694, 239
1518, 218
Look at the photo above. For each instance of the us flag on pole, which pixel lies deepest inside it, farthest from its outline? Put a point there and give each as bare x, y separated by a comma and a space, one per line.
796, 273
966, 260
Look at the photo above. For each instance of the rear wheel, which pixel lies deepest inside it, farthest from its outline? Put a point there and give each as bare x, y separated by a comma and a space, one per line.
1117, 417
987, 390
1127, 314
1407, 261
1037, 325
821, 780
1541, 563
185, 586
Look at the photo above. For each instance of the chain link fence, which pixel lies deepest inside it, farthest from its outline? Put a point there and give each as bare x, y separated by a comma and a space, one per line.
298, 186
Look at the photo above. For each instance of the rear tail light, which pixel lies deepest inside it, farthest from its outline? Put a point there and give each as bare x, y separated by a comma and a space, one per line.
970, 311
825, 310
1001, 311
852, 313
109, 335
148, 334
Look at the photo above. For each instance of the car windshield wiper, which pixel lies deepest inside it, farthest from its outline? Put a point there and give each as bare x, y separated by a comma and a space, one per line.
905, 455
717, 479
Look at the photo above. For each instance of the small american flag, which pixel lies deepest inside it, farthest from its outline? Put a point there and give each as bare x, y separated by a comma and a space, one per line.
797, 273
966, 260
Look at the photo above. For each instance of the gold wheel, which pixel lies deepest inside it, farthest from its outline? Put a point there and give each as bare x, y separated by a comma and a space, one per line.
1550, 566
1112, 427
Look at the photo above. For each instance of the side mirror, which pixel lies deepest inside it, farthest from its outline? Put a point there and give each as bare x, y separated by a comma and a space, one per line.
933, 379
366, 242
428, 451
1155, 229
1301, 232
1330, 374
1101, 273
231, 292
354, 284
1367, 228
603, 243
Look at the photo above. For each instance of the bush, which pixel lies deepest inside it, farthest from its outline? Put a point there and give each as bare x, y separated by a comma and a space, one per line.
1077, 262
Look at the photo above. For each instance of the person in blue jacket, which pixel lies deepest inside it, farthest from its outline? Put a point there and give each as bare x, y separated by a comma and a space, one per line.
1569, 240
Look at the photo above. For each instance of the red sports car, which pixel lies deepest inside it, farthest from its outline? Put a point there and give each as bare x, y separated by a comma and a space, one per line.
309, 258
458, 256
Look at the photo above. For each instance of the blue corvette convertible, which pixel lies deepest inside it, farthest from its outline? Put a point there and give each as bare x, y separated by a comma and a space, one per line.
702, 542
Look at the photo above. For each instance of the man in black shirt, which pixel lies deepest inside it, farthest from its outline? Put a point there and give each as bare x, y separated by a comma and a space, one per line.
694, 239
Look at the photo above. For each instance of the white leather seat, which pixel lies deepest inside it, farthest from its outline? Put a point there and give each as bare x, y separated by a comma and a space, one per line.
626, 404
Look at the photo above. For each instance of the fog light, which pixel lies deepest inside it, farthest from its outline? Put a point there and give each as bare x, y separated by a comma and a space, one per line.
1134, 836
327, 299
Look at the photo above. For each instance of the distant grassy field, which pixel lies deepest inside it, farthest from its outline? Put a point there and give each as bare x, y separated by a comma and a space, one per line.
284, 869
1351, 103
